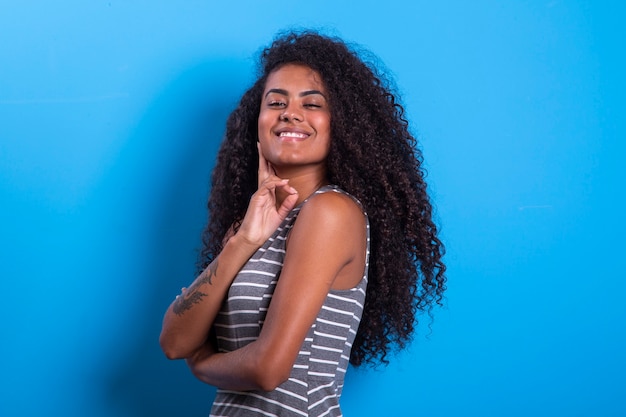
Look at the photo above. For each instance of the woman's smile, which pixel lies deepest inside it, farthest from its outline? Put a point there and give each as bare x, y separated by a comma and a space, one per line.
294, 135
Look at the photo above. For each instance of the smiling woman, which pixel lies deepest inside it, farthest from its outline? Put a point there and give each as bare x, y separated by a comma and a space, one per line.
320, 247
294, 121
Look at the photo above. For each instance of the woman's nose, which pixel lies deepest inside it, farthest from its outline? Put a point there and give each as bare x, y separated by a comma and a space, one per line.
290, 115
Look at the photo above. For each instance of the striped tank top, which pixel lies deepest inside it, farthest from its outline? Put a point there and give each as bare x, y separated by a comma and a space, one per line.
316, 380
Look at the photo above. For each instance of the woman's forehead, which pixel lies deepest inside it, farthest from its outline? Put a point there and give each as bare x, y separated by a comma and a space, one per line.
295, 76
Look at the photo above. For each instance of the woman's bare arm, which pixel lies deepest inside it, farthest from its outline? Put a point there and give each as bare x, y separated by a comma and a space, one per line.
188, 319
326, 247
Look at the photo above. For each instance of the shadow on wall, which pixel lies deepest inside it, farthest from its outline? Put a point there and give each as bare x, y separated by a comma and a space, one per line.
189, 117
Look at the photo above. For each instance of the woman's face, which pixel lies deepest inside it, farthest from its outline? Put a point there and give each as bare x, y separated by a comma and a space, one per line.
294, 121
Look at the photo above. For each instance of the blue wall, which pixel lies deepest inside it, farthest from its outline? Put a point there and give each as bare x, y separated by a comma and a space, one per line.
110, 117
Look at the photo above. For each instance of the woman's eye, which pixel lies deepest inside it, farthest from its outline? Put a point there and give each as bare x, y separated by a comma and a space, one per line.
312, 105
276, 104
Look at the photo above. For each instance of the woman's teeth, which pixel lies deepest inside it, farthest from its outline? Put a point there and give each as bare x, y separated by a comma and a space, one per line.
292, 135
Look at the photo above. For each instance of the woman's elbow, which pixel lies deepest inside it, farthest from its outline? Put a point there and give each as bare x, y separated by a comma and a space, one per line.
269, 374
269, 381
172, 348
173, 353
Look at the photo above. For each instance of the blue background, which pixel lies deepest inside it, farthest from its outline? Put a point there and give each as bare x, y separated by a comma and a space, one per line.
110, 116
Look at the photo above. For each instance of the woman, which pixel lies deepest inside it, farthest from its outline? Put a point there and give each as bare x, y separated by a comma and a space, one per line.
281, 306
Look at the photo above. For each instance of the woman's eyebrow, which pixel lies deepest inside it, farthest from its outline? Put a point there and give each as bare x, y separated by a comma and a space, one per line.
309, 92
285, 93
277, 91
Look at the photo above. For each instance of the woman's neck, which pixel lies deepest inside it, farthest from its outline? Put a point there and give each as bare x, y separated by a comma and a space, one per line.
306, 183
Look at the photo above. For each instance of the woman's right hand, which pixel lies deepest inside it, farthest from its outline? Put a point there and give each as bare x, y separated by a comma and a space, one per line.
265, 212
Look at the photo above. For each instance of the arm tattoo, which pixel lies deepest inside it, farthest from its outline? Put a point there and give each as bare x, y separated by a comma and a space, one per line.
193, 296
186, 301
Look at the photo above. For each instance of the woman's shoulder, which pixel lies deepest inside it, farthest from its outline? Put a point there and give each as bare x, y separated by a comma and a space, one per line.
335, 195
331, 204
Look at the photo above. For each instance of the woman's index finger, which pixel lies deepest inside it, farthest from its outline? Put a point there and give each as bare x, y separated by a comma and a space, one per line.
264, 170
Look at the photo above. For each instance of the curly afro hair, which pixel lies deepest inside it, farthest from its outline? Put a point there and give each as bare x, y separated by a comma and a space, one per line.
373, 157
